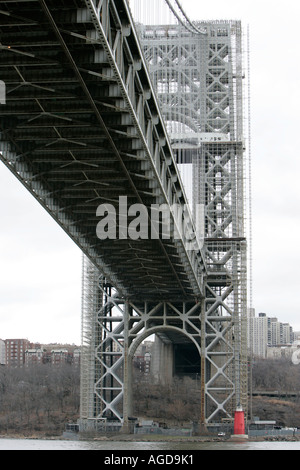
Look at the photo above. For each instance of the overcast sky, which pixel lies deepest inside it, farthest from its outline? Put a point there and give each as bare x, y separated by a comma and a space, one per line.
40, 268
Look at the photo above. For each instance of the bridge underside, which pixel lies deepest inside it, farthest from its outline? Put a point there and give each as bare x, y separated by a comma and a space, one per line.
81, 128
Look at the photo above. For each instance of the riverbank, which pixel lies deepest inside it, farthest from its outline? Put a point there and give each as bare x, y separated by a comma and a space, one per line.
114, 437
145, 438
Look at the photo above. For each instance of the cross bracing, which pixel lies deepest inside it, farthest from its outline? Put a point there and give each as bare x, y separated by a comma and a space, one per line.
112, 325
201, 102
198, 78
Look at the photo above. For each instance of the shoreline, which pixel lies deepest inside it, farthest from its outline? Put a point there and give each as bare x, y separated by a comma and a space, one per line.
148, 438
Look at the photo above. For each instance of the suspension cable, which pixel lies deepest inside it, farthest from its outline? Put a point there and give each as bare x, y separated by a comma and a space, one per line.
192, 28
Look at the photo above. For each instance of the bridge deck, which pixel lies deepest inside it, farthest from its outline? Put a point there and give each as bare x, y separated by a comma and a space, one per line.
81, 127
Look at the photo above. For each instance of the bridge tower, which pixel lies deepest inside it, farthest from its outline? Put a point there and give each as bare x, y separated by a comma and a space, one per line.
198, 74
198, 77
112, 329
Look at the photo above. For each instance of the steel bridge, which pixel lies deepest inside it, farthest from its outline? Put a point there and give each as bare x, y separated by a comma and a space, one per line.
84, 125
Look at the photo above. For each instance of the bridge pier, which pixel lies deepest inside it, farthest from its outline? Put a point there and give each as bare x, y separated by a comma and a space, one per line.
162, 367
127, 375
112, 329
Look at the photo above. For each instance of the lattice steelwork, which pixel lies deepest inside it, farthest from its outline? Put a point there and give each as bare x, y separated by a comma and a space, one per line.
102, 351
112, 329
198, 78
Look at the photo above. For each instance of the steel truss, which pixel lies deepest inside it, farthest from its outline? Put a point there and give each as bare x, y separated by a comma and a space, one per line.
81, 127
112, 329
198, 79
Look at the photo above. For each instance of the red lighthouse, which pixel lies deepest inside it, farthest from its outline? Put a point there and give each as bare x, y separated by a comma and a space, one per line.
239, 422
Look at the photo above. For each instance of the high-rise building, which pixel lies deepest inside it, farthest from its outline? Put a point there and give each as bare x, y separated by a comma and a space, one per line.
264, 332
258, 335
287, 333
2, 353
15, 351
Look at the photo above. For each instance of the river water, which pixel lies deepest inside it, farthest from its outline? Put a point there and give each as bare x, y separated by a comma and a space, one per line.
140, 448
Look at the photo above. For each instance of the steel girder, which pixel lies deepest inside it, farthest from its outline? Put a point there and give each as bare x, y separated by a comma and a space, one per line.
81, 127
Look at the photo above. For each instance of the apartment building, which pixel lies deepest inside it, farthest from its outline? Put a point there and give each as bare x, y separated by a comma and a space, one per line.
258, 335
15, 351
2, 353
21, 352
55, 357
33, 357
265, 332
